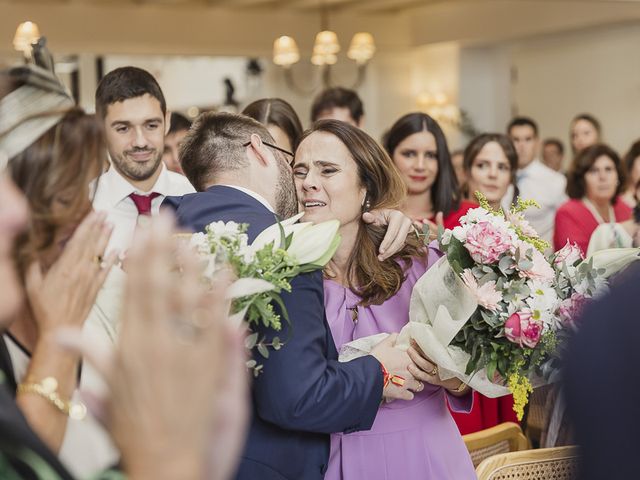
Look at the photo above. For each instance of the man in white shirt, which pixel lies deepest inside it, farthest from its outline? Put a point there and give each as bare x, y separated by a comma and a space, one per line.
535, 180
133, 109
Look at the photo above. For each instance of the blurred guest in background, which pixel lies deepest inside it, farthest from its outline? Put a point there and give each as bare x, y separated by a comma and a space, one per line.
553, 154
281, 120
55, 153
490, 165
178, 129
338, 103
632, 163
130, 103
535, 181
584, 132
418, 147
618, 235
54, 150
594, 185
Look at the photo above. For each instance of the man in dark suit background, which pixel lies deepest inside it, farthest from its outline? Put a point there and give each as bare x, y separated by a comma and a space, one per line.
601, 383
304, 393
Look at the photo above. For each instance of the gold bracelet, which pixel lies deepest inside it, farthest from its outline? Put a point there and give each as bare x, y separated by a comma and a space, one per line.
48, 389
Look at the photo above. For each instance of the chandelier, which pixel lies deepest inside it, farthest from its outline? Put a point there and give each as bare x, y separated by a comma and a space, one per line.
325, 54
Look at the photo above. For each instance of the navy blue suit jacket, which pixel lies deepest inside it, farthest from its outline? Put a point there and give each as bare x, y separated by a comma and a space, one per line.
601, 382
304, 393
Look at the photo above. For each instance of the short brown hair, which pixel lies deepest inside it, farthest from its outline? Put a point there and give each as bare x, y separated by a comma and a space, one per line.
576, 186
214, 145
372, 280
56, 171
275, 111
337, 97
124, 83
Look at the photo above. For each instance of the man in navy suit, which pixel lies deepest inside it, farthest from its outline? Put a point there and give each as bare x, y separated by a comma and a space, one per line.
304, 393
601, 382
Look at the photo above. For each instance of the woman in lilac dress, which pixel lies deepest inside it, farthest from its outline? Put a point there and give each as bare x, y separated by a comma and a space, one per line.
341, 171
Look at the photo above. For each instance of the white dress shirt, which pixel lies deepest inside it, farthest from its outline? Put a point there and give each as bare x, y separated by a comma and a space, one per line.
547, 187
112, 196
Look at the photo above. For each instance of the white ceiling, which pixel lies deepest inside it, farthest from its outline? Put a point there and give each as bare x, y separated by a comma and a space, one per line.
248, 27
360, 6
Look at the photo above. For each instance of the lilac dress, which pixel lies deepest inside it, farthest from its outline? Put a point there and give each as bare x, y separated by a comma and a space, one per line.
409, 440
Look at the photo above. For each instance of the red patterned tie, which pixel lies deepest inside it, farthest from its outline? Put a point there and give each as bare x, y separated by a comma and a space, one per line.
143, 202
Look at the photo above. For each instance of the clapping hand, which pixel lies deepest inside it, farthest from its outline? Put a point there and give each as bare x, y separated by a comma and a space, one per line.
178, 389
63, 295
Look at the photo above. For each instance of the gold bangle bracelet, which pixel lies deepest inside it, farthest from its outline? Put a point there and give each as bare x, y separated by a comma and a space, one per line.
48, 389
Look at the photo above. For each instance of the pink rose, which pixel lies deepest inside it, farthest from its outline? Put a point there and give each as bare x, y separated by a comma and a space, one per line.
486, 242
523, 329
568, 254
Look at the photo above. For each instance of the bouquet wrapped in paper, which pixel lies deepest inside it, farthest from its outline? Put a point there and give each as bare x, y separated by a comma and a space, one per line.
493, 310
264, 268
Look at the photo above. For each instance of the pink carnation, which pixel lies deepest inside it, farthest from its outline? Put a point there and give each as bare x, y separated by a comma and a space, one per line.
569, 254
523, 329
486, 295
486, 242
541, 269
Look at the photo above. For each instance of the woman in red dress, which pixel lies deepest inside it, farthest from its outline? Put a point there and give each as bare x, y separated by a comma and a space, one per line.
594, 184
419, 149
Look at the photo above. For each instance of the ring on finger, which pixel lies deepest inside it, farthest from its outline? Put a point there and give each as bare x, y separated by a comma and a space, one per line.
99, 260
433, 372
419, 387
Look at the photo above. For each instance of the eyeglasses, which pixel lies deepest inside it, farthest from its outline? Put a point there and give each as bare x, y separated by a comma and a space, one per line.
286, 152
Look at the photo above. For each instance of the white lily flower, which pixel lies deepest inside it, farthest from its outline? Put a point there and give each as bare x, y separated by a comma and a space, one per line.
273, 234
248, 286
311, 244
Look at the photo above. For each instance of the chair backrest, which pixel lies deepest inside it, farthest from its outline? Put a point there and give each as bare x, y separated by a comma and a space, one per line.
503, 438
560, 463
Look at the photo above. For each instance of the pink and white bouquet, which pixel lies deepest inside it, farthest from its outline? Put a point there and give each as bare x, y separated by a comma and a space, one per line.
500, 261
495, 310
520, 303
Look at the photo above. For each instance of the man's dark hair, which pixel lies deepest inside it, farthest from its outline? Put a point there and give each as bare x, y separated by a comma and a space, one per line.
124, 83
337, 97
522, 122
214, 145
179, 123
556, 143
